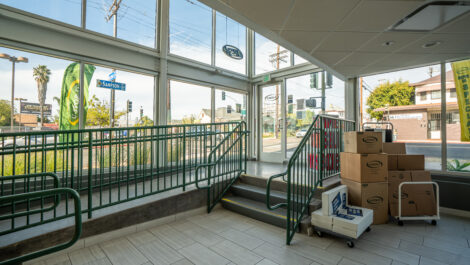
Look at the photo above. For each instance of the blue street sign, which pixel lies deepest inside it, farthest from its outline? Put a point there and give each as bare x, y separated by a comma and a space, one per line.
112, 76
110, 85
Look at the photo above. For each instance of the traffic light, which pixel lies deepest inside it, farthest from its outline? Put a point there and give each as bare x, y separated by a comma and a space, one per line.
229, 109
329, 80
314, 80
223, 95
141, 113
129, 106
311, 103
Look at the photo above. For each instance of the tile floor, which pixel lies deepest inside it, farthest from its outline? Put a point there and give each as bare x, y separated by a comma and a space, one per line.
224, 237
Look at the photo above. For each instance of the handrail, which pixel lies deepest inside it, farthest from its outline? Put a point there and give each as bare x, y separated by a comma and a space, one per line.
268, 192
45, 174
213, 152
315, 158
52, 192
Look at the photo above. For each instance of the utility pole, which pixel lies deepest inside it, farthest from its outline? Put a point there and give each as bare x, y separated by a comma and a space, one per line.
275, 59
112, 13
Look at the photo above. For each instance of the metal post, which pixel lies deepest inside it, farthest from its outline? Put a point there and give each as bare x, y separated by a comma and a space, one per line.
323, 97
12, 93
443, 118
113, 92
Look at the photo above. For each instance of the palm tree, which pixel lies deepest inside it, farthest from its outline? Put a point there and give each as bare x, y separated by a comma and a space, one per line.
41, 74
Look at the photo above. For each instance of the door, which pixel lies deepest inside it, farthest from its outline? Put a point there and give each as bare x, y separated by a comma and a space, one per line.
272, 126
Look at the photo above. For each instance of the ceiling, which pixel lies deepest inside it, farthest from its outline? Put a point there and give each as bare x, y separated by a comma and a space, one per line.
346, 36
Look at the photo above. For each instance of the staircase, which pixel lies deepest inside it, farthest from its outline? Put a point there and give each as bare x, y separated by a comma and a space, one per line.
248, 197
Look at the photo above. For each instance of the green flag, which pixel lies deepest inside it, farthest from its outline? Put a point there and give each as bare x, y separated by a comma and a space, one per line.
70, 95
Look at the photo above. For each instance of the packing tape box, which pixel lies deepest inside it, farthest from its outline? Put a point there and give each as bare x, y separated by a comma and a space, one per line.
353, 227
321, 220
365, 168
331, 199
371, 196
405, 162
363, 142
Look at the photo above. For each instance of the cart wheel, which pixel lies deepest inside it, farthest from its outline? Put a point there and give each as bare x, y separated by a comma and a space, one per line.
368, 229
434, 222
350, 244
400, 223
319, 233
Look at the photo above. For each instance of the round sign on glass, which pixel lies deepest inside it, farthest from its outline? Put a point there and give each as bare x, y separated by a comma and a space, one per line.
232, 52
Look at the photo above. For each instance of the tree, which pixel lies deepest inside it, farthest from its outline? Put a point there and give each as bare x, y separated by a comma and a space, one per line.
5, 113
98, 113
41, 74
398, 93
145, 121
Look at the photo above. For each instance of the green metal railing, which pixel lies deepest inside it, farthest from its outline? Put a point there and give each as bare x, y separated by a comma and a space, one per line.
110, 166
11, 200
315, 159
226, 162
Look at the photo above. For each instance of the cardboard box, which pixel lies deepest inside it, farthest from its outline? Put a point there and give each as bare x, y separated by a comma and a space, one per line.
363, 142
420, 175
394, 148
408, 208
321, 220
408, 205
330, 198
369, 195
410, 162
355, 227
364, 168
392, 162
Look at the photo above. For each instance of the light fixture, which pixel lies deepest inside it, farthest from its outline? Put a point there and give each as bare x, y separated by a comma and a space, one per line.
431, 44
432, 15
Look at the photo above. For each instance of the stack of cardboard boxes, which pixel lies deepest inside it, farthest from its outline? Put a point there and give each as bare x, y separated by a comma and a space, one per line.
364, 170
417, 200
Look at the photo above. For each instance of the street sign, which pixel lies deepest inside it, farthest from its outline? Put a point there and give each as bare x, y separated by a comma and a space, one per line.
35, 108
110, 85
112, 76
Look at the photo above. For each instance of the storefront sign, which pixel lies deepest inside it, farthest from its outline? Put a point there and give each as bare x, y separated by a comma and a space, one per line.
232, 52
462, 85
35, 108
110, 85
417, 116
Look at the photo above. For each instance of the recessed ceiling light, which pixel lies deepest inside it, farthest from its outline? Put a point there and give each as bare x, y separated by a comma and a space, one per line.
432, 15
388, 43
431, 44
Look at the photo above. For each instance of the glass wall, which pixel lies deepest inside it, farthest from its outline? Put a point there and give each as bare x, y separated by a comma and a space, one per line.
64, 11
458, 151
299, 60
229, 106
404, 98
334, 97
270, 56
136, 19
28, 93
230, 32
191, 30
188, 103
139, 91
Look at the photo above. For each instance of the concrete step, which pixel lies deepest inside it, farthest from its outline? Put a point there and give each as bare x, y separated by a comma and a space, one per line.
255, 209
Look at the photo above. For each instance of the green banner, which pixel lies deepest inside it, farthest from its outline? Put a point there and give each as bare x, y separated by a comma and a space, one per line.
70, 95
462, 86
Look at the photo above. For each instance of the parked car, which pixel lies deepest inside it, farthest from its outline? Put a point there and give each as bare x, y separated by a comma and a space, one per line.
301, 133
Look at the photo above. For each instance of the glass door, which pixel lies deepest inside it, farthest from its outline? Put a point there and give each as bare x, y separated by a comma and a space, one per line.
272, 125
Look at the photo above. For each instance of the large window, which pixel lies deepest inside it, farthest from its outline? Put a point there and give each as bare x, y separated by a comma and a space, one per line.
229, 106
139, 91
230, 32
191, 30
189, 103
392, 97
64, 11
270, 56
136, 19
28, 93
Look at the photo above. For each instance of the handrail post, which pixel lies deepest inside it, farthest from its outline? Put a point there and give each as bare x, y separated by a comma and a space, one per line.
184, 158
321, 152
90, 165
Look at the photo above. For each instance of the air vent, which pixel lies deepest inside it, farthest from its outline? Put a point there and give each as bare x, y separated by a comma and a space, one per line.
432, 16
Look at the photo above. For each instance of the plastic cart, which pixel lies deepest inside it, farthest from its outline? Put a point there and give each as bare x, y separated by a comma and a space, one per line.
349, 240
433, 218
